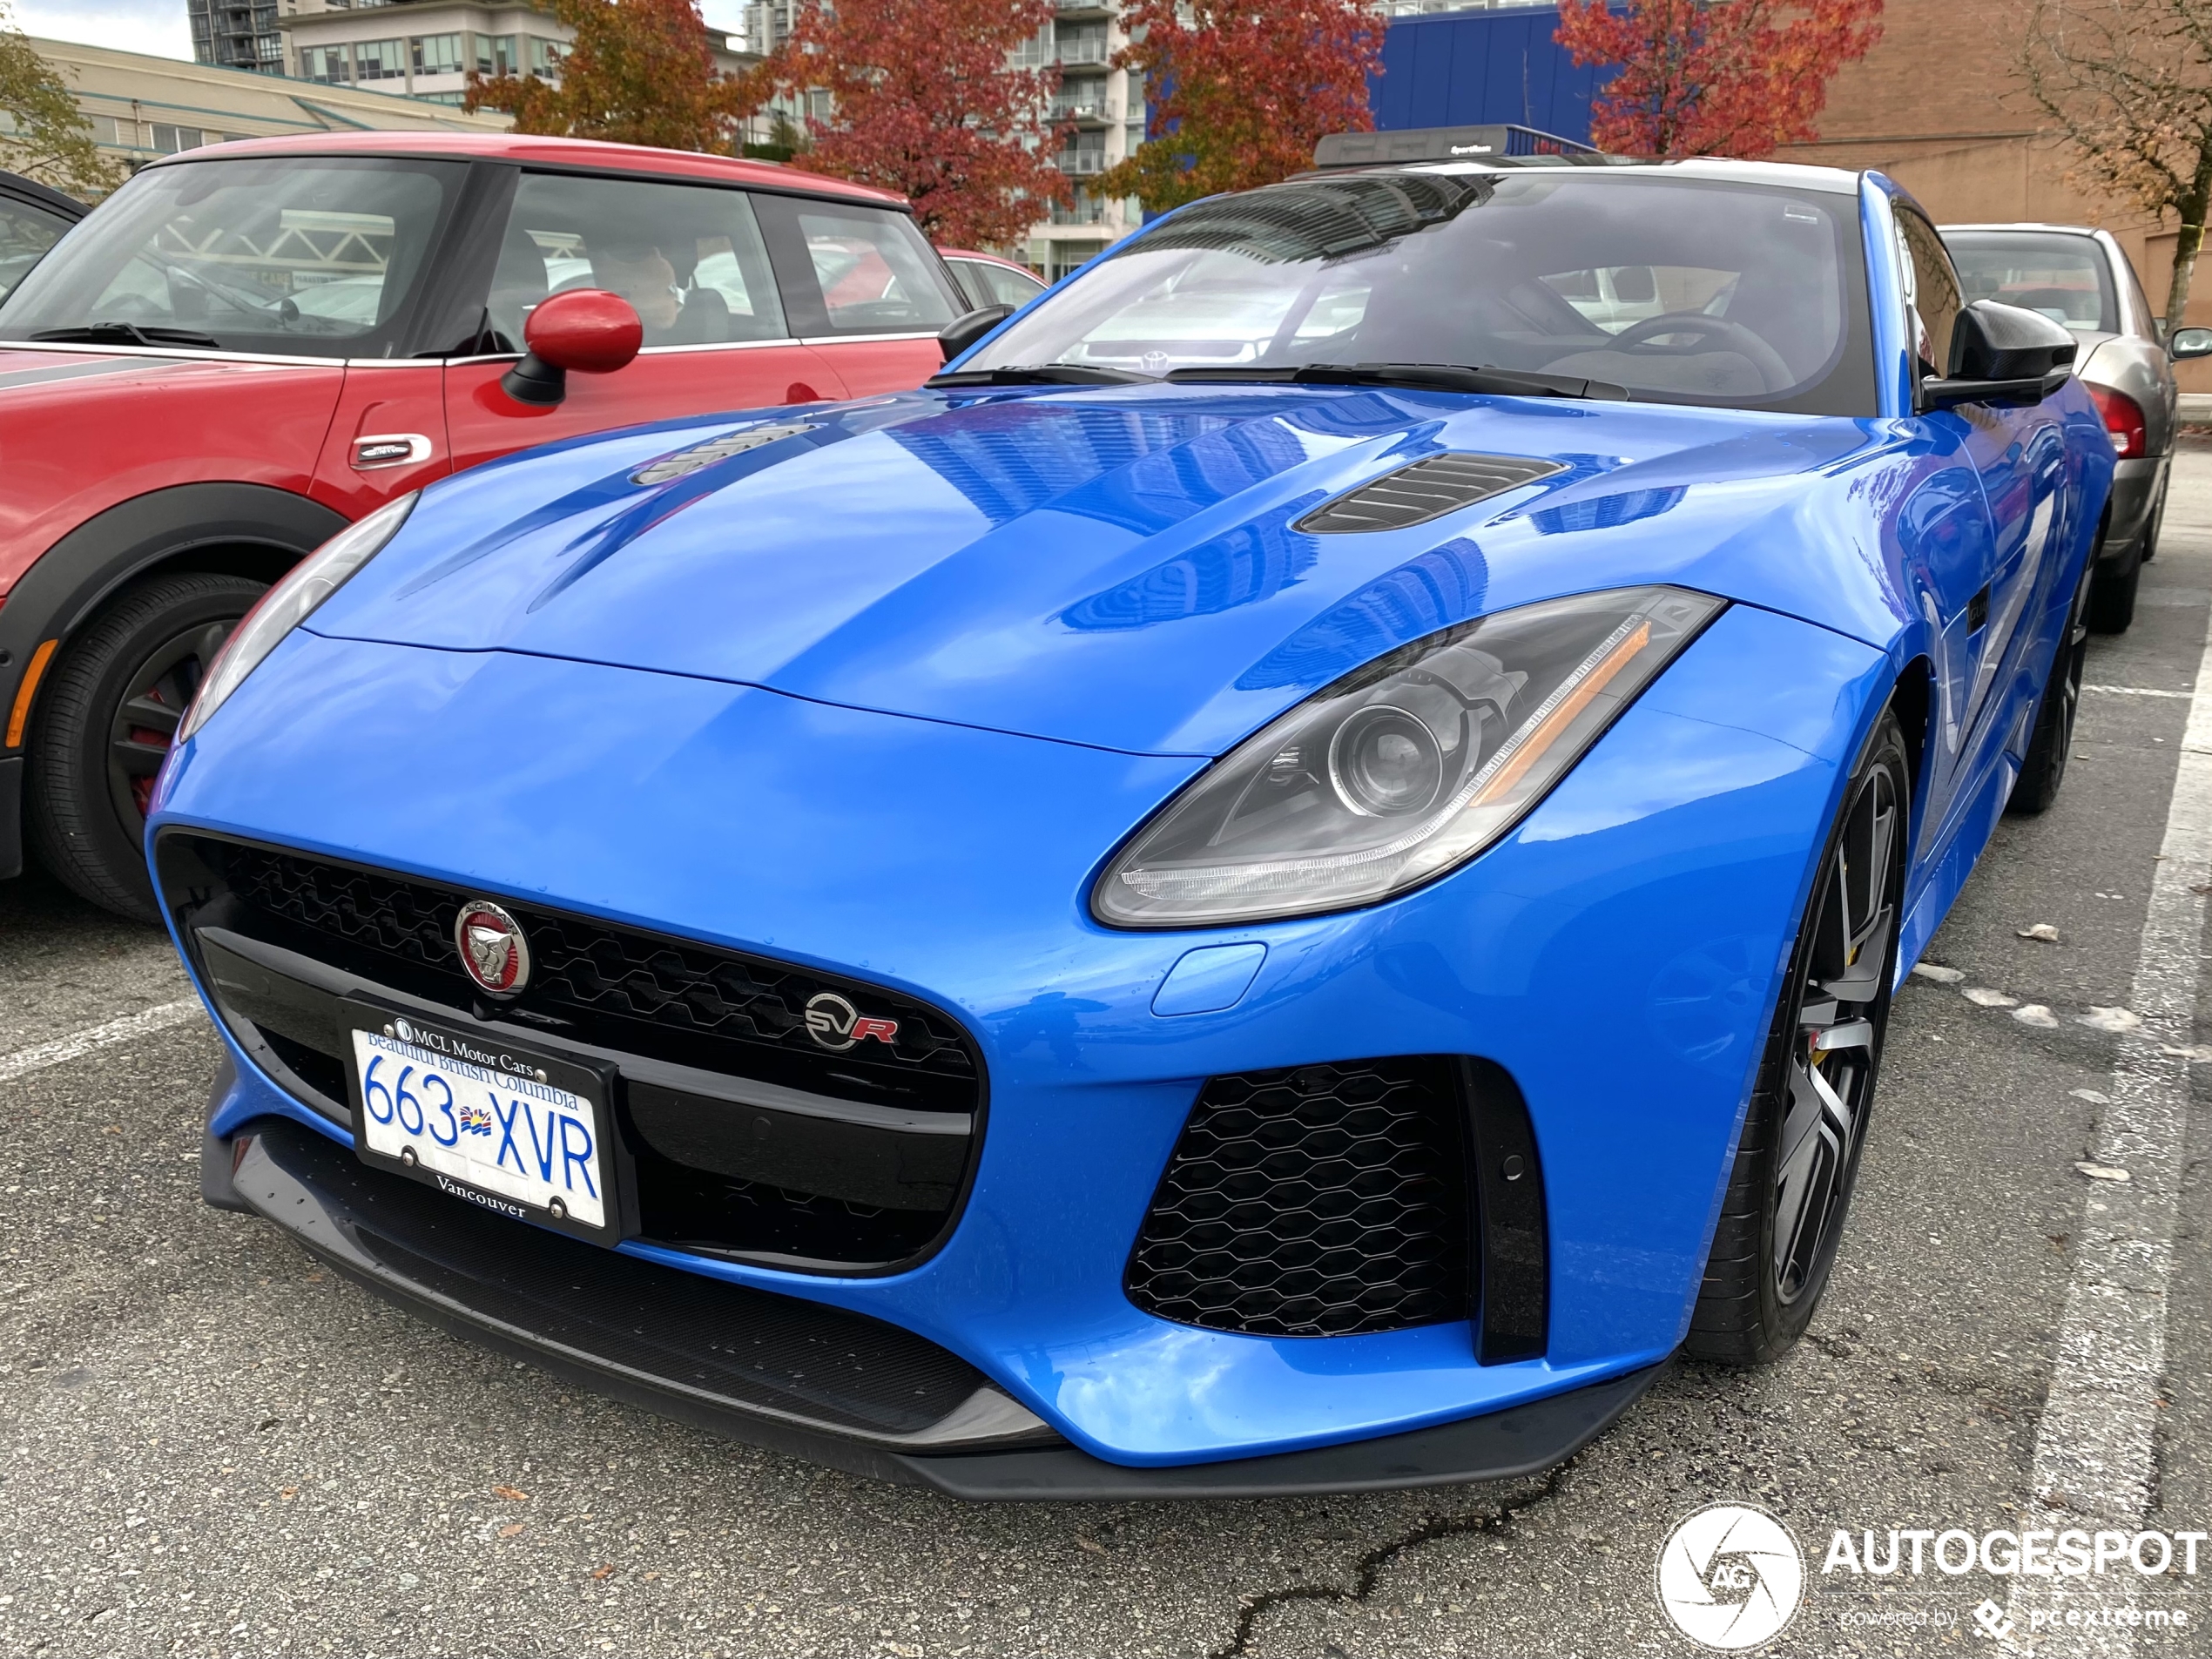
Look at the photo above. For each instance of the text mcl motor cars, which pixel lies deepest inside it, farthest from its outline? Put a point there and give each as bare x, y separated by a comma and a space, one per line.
249, 346
1285, 879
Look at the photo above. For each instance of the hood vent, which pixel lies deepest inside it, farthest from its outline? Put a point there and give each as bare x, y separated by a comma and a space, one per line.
1427, 489
705, 454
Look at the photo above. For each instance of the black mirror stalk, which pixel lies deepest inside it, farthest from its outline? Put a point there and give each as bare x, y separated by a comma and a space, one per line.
536, 381
964, 331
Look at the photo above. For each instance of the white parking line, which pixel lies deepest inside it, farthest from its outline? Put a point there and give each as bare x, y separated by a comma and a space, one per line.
2138, 691
62, 1049
2096, 1446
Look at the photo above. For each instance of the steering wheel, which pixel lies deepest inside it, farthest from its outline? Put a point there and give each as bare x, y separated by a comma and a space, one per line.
1738, 338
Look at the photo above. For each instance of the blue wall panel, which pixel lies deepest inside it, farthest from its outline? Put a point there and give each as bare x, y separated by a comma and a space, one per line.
1459, 69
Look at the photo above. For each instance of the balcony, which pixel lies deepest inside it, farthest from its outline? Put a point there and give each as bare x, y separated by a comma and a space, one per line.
1083, 210
1080, 164
1083, 110
1083, 7
1076, 54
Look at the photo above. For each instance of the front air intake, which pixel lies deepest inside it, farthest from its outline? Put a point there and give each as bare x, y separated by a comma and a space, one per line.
1425, 490
1352, 1198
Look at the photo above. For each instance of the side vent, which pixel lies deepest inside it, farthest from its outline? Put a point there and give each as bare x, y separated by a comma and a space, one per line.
1427, 489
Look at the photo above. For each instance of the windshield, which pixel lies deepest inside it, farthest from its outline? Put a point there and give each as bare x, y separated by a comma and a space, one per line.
1683, 290
316, 256
2063, 277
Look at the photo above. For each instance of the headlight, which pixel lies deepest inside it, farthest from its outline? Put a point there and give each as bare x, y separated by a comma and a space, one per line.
290, 602
1399, 772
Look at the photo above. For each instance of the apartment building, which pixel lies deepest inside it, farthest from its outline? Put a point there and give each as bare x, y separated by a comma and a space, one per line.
426, 49
236, 34
141, 107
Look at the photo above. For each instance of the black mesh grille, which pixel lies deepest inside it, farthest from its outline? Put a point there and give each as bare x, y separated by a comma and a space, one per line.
583, 967
1427, 489
1321, 1201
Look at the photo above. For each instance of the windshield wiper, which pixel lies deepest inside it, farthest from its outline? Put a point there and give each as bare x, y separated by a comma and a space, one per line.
1426, 377
128, 333
1040, 375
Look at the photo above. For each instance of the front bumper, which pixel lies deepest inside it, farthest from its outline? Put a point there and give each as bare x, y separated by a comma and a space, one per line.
1617, 957
793, 1376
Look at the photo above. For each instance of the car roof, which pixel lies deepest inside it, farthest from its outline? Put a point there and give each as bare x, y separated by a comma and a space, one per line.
1839, 181
30, 190
2025, 227
530, 148
986, 258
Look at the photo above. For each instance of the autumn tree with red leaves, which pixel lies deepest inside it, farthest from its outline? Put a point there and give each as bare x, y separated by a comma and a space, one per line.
1714, 77
1242, 90
925, 103
639, 71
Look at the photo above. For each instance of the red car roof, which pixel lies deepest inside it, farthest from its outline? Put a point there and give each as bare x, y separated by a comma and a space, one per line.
528, 147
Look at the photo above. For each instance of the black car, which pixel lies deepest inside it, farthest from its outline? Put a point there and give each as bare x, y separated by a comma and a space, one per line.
32, 219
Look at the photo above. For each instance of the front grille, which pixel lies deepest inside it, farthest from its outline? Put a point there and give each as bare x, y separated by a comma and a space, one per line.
1427, 489
584, 969
867, 1172
1326, 1200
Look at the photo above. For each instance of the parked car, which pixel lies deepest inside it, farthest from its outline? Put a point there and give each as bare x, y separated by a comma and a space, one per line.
1174, 913
2083, 278
250, 346
987, 279
33, 216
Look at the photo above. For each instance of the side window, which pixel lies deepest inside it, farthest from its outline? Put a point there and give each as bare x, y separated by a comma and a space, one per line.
877, 274
25, 235
1001, 285
1931, 300
690, 258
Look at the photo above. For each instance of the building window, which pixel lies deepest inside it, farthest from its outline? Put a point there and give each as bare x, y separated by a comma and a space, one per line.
443, 98
496, 54
1086, 156
1082, 44
545, 57
329, 64
108, 129
437, 54
1035, 52
170, 139
380, 60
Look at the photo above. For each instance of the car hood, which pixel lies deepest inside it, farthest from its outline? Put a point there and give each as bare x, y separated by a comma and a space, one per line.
1115, 567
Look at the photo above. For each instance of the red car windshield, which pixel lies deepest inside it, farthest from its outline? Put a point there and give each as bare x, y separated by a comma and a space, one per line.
304, 256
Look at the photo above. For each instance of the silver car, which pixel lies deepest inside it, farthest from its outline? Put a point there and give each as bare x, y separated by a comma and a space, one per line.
2083, 279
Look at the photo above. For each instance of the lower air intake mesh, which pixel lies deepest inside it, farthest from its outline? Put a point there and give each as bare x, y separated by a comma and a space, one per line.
1321, 1201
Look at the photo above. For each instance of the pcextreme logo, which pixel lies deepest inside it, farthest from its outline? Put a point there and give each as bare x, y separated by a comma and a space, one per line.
1730, 1577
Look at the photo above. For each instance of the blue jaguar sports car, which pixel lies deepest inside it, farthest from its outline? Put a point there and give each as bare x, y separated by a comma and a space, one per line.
1286, 879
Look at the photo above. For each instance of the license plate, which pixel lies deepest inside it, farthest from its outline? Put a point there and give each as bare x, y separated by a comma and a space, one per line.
523, 1135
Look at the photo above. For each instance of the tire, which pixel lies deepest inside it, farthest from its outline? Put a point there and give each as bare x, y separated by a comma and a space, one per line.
2043, 768
2112, 593
1783, 1216
106, 719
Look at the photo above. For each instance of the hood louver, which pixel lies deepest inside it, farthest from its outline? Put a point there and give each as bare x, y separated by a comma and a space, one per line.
721, 448
1427, 489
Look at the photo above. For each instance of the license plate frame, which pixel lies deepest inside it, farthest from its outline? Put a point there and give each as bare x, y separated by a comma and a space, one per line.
534, 1082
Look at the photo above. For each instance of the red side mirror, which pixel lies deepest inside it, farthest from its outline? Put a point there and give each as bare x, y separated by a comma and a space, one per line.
586, 329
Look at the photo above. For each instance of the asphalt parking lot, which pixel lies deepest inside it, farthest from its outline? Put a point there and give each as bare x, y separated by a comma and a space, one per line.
211, 1445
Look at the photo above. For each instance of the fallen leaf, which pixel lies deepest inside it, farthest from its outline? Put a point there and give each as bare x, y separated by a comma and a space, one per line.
2193, 1055
287, 1492
651, 1576
2102, 1171
2041, 931
2036, 1014
1092, 1545
1982, 997
510, 1495
2114, 1019
603, 1572
2091, 1095
510, 1529
1940, 975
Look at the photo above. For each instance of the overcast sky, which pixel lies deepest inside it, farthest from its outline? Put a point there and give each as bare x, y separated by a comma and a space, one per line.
158, 26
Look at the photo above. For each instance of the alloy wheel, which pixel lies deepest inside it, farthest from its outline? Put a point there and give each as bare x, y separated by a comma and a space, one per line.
1839, 1014
144, 727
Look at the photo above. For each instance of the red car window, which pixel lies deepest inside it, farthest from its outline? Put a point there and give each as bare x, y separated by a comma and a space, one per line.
689, 258
876, 272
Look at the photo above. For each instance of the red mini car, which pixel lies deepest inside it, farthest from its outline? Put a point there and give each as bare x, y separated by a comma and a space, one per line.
248, 346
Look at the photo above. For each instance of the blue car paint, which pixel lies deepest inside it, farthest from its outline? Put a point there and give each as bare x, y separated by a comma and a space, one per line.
834, 835
717, 757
